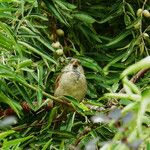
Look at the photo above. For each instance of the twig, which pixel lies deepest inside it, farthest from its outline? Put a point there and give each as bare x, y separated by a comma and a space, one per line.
136, 77
139, 75
81, 135
26, 108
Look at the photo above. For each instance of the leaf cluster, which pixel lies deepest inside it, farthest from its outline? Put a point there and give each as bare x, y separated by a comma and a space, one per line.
112, 42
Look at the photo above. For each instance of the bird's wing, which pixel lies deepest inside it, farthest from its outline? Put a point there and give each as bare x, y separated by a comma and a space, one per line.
57, 81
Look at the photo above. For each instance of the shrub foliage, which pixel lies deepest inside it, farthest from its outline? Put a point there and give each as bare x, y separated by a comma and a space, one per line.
111, 38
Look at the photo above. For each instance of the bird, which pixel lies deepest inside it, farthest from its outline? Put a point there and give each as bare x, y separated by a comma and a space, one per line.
71, 81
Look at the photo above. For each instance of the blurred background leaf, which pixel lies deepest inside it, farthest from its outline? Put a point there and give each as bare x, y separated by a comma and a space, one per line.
110, 38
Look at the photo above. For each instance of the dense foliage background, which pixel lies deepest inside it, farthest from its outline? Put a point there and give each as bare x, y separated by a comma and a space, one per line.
111, 38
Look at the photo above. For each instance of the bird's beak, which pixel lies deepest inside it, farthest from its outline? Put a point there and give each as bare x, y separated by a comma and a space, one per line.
75, 64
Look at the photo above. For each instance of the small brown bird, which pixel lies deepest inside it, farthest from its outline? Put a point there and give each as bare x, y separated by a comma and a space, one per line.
71, 81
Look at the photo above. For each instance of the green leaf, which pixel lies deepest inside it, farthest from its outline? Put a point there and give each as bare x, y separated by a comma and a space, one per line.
36, 50
112, 15
24, 63
32, 34
142, 64
130, 49
68, 5
11, 41
6, 133
148, 146
90, 63
63, 134
24, 93
118, 38
62, 145
38, 16
84, 18
6, 16
114, 60
56, 13
127, 19
47, 145
146, 93
9, 1
7, 9
125, 102
40, 84
79, 107
14, 105
62, 5
51, 117
89, 34
70, 122
130, 8
8, 144
134, 23
7, 72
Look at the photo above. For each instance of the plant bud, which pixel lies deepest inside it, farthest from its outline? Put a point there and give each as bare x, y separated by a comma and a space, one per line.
59, 52
56, 44
139, 12
146, 13
60, 32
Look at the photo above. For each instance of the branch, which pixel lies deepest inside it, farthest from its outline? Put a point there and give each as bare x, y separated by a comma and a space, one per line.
139, 75
26, 108
136, 77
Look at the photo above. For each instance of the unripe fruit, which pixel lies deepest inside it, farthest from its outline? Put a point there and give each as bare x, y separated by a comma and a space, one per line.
43, 4
52, 37
56, 45
60, 32
145, 35
59, 52
137, 25
139, 12
146, 13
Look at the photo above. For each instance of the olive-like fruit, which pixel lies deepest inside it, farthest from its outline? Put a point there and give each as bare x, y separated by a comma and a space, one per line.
139, 12
146, 13
52, 37
56, 44
137, 25
145, 35
59, 52
43, 4
60, 32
